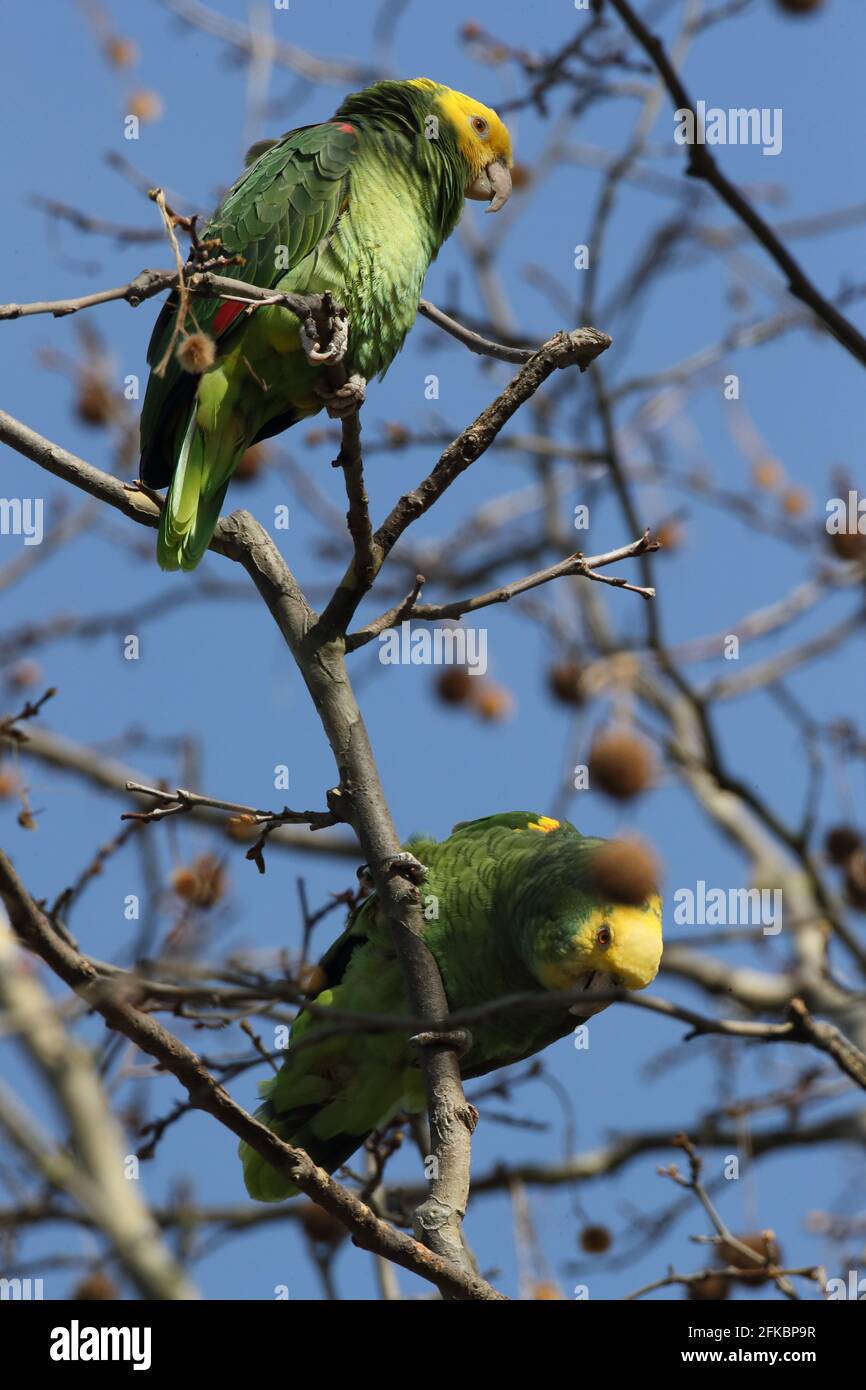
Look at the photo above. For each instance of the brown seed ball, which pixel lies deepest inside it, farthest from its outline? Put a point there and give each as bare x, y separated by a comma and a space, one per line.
521, 175
624, 871
840, 843
211, 880
763, 1243
620, 764
855, 880
146, 105
768, 474
94, 1287
796, 502
197, 353
397, 434
546, 1290
27, 820
454, 685
712, 1287
320, 1227
201, 883
184, 883
492, 702
848, 545
250, 464
595, 1240
565, 682
9, 783
94, 405
121, 53
670, 535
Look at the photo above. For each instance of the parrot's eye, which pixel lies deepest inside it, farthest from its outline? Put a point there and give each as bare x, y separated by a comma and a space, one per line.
604, 936
480, 126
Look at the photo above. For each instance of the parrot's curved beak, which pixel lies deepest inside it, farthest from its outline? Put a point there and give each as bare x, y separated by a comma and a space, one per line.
492, 185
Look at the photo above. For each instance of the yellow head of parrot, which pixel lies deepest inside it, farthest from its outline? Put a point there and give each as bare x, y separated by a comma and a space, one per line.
615, 945
483, 141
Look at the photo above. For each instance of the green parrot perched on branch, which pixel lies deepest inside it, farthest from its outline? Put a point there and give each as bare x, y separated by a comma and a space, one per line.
357, 207
513, 906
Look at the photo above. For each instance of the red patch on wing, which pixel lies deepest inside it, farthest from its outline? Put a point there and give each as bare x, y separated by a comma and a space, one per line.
349, 129
226, 315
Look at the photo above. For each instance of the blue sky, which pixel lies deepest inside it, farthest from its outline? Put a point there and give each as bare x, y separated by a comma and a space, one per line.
217, 670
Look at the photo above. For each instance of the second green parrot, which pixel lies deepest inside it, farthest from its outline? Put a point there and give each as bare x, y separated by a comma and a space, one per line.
358, 206
510, 909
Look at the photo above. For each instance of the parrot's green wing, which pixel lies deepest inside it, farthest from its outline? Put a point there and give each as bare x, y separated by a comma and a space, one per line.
321, 1099
276, 213
510, 907
328, 1096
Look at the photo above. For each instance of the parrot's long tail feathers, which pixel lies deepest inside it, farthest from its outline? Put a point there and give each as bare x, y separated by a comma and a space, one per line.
264, 1182
191, 509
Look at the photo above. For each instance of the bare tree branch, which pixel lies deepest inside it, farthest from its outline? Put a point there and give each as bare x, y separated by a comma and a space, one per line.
368, 1231
702, 165
96, 1177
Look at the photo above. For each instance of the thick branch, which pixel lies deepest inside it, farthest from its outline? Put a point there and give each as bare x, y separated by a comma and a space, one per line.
361, 801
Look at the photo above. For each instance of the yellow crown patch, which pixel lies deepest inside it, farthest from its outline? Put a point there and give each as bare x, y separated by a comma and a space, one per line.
545, 824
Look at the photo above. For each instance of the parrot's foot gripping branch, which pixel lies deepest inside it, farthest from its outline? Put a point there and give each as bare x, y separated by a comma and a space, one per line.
342, 401
337, 336
460, 1039
341, 398
403, 863
406, 864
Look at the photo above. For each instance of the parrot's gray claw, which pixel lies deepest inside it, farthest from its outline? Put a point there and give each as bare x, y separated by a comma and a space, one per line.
460, 1039
406, 864
342, 401
336, 349
402, 863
